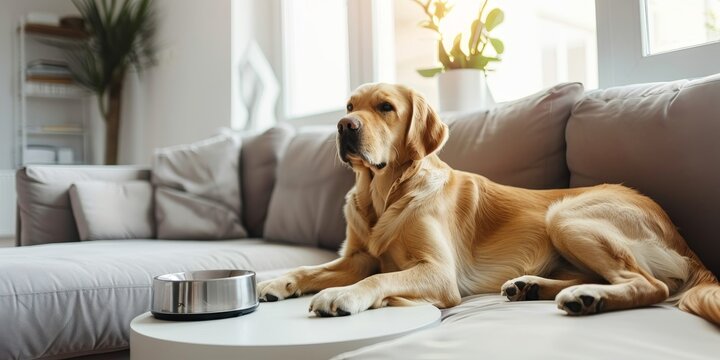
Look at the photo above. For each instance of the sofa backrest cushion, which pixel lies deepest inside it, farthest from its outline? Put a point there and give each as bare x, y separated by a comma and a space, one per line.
259, 159
198, 190
44, 208
307, 202
662, 139
518, 143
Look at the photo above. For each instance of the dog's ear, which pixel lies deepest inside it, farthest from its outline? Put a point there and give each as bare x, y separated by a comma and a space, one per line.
426, 133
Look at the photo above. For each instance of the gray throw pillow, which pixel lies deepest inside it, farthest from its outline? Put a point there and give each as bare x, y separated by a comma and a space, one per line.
113, 210
519, 143
306, 206
259, 159
198, 190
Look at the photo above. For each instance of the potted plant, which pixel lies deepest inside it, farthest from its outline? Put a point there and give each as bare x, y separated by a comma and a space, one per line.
121, 38
462, 74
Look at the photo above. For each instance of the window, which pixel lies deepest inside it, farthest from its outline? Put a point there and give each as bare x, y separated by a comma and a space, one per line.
546, 42
332, 46
656, 40
315, 52
671, 25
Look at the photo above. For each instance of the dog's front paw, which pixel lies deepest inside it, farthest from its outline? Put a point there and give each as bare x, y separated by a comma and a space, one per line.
284, 287
521, 288
581, 300
340, 301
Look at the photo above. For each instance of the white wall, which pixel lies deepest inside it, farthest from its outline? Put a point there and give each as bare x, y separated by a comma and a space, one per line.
187, 96
10, 13
267, 32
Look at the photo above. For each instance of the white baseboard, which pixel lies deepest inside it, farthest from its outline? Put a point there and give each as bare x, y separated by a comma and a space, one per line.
7, 242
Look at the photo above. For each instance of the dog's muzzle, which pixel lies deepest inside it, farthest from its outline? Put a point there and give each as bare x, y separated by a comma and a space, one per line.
349, 136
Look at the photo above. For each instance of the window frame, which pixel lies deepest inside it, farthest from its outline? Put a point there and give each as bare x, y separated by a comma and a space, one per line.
366, 21
622, 51
285, 63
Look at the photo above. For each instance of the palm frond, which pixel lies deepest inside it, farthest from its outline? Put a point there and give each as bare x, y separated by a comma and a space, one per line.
121, 37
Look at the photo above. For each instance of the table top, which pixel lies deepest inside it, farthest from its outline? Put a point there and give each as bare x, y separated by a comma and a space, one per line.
288, 322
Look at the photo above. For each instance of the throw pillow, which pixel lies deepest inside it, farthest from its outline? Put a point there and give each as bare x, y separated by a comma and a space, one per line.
113, 210
198, 190
306, 206
259, 159
518, 143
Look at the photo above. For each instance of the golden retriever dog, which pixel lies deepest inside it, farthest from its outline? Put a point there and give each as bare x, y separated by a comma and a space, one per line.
420, 232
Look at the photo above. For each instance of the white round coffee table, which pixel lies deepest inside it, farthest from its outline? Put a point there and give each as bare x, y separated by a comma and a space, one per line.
280, 330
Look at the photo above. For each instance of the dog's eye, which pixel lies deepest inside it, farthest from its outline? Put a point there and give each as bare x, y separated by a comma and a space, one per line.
385, 107
349, 107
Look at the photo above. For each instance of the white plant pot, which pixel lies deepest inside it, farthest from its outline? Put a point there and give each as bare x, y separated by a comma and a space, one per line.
464, 90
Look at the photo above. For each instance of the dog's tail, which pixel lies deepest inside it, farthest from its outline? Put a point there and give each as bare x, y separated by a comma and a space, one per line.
703, 298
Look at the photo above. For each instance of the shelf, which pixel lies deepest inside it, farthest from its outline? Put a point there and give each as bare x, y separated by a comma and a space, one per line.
56, 36
49, 79
56, 163
56, 129
49, 96
48, 31
44, 132
54, 90
55, 96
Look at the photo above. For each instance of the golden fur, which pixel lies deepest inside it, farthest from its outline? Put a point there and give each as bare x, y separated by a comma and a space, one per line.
419, 231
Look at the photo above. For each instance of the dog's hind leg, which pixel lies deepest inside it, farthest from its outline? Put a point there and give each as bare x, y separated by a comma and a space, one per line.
599, 235
531, 287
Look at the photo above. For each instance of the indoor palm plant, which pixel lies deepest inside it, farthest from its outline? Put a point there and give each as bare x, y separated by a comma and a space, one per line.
462, 72
121, 38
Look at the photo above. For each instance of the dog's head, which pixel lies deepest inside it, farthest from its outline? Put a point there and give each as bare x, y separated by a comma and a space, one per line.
388, 124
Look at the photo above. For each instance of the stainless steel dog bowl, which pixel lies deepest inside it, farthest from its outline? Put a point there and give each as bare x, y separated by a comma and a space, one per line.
204, 295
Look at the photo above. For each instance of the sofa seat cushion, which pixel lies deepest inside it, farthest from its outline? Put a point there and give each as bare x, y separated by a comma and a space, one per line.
64, 300
490, 327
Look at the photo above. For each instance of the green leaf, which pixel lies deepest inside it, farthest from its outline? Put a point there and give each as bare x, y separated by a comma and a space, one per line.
121, 36
430, 72
477, 61
494, 18
443, 56
441, 9
459, 59
475, 31
429, 25
497, 45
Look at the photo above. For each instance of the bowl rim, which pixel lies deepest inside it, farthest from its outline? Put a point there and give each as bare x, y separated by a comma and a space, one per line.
245, 274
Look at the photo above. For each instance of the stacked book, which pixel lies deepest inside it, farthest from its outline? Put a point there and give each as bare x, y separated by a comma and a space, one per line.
69, 128
48, 71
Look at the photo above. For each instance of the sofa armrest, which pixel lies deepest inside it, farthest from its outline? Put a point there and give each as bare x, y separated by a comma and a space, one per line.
44, 212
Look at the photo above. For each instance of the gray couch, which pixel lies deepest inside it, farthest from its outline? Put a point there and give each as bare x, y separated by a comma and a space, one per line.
63, 298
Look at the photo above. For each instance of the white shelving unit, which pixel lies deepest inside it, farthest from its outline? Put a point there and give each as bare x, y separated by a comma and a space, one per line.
49, 115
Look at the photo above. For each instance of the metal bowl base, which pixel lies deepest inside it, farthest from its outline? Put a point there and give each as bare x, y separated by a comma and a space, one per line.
203, 316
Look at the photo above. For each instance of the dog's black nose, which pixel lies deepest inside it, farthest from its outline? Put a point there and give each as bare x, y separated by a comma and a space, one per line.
349, 123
